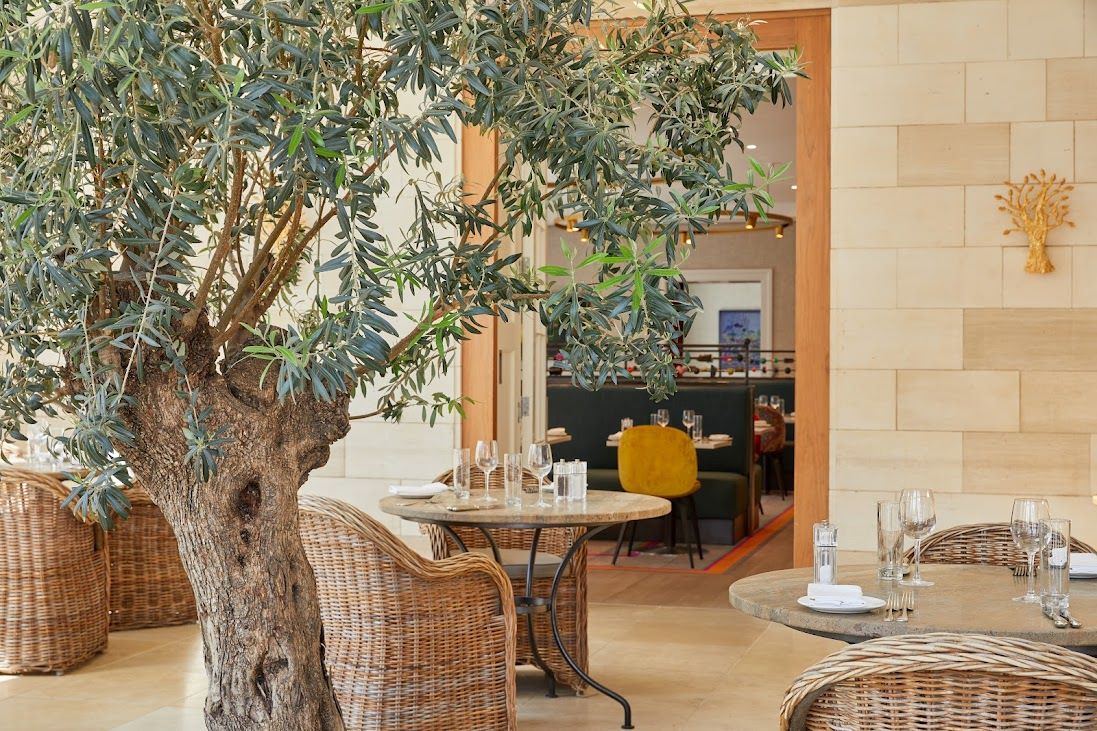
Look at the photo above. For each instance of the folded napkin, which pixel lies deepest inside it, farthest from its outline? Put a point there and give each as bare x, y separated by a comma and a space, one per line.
557, 431
835, 595
841, 591
431, 488
1084, 561
615, 435
719, 437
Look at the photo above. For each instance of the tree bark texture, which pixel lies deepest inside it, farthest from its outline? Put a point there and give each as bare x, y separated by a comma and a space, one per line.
238, 535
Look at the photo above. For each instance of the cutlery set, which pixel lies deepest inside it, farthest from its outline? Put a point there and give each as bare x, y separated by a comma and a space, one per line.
898, 605
1062, 618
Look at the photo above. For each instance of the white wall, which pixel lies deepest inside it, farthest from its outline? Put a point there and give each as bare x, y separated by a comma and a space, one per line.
716, 296
376, 453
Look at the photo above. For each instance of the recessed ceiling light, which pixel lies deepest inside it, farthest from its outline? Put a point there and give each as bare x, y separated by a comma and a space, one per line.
793, 187
752, 147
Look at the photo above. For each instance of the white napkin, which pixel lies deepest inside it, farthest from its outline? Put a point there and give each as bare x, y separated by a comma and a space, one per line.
835, 595
431, 488
557, 431
615, 435
1084, 562
719, 437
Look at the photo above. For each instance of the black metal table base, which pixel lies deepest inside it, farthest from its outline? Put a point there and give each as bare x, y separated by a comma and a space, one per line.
531, 605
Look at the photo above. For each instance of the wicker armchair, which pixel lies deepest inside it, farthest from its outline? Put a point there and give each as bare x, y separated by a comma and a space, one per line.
148, 586
772, 445
411, 644
53, 578
979, 543
945, 682
571, 613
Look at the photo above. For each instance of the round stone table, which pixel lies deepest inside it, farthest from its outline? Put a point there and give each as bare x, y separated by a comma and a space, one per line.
965, 599
601, 510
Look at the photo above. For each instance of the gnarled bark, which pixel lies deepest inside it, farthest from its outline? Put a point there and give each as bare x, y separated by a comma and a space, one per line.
238, 538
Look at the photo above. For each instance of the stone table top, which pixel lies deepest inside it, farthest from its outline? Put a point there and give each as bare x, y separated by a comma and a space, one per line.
602, 507
964, 599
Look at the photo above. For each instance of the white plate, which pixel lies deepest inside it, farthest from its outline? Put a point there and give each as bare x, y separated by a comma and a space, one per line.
868, 604
416, 492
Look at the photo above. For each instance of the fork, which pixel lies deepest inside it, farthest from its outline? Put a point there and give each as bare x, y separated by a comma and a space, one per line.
889, 607
906, 600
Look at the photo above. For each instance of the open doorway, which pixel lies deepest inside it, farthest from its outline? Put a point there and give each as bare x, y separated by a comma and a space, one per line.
810, 32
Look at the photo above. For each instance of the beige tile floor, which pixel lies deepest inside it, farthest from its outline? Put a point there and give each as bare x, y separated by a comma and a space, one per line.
682, 667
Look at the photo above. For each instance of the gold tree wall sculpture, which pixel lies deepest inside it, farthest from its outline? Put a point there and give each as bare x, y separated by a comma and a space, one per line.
1037, 205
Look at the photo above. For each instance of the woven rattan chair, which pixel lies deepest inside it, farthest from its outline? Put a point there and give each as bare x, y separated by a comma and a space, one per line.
148, 586
945, 682
53, 578
514, 544
411, 644
772, 445
979, 543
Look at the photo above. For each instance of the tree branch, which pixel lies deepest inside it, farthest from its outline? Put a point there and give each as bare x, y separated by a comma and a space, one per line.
224, 242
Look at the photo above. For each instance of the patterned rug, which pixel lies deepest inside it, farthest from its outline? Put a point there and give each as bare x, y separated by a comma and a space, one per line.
718, 559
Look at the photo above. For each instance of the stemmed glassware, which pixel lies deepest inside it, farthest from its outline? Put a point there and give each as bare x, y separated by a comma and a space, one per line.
917, 512
1028, 534
487, 459
662, 417
687, 420
539, 461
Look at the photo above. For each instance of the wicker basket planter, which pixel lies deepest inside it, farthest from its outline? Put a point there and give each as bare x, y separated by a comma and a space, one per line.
148, 586
53, 578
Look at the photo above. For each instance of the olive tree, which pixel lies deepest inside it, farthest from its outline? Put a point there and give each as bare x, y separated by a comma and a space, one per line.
178, 178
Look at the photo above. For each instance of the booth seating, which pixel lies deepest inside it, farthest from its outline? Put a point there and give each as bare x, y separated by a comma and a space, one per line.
727, 476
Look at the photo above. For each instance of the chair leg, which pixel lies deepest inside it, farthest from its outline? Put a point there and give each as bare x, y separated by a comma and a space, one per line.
696, 527
684, 515
620, 540
765, 476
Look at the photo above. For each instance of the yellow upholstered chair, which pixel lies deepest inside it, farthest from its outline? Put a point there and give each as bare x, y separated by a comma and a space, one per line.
660, 461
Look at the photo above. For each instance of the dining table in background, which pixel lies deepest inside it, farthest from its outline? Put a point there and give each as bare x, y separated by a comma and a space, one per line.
601, 510
554, 439
707, 443
967, 599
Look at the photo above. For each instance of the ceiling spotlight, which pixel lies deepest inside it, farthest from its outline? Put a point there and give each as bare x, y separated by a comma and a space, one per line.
751, 220
780, 232
752, 147
572, 225
584, 235
793, 187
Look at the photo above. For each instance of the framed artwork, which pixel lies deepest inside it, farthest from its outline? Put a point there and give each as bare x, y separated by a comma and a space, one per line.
735, 327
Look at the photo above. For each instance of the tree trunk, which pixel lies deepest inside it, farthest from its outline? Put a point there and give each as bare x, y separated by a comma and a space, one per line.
239, 541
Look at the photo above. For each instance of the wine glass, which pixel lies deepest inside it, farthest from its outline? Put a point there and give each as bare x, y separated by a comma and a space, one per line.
1028, 534
487, 459
687, 420
662, 417
539, 461
918, 516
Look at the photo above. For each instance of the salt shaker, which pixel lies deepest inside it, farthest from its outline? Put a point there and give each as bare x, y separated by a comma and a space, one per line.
577, 487
825, 543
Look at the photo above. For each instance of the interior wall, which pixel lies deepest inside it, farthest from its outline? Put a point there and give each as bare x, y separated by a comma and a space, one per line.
720, 296
377, 454
747, 250
953, 368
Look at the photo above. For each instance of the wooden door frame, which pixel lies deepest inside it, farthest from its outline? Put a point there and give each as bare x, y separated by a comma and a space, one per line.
808, 30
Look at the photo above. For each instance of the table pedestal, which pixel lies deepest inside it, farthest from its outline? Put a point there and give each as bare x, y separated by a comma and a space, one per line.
529, 605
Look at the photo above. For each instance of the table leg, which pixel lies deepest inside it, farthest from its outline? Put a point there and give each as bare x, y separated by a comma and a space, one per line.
491, 542
530, 604
454, 537
560, 570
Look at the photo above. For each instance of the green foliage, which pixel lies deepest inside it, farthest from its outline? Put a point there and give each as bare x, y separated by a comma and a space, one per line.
165, 160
